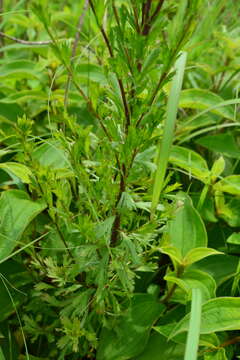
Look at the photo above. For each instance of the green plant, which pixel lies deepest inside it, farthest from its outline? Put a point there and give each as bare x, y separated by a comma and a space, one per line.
105, 238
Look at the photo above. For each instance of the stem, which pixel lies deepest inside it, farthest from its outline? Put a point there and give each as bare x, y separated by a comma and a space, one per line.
25, 42
62, 237
172, 289
110, 50
146, 17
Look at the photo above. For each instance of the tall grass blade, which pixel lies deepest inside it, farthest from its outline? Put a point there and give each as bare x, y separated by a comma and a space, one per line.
194, 326
168, 130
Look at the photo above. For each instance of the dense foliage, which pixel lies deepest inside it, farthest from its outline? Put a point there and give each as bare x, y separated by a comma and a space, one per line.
119, 215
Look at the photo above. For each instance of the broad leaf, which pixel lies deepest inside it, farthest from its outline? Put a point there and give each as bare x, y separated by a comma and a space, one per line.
19, 170
192, 279
17, 210
222, 143
230, 185
186, 230
197, 254
158, 348
51, 154
91, 72
20, 69
219, 314
220, 267
24, 95
203, 99
130, 332
190, 161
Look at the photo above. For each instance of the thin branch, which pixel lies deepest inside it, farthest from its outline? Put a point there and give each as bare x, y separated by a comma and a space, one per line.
74, 49
135, 13
146, 17
120, 83
25, 42
157, 10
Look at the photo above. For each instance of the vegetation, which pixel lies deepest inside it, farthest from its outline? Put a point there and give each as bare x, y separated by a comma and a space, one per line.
119, 179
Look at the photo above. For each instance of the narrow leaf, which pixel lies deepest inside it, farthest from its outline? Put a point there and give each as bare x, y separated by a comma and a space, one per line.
168, 131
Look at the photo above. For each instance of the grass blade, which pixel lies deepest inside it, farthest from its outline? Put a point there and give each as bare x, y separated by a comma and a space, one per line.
194, 326
168, 131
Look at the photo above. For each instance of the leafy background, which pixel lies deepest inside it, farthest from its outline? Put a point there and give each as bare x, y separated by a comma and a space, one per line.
119, 215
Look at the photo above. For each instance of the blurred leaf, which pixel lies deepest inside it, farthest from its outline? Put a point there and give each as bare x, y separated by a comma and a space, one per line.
20, 69
91, 72
233, 242
16, 212
222, 143
158, 348
230, 184
203, 99
24, 95
51, 154
219, 354
19, 170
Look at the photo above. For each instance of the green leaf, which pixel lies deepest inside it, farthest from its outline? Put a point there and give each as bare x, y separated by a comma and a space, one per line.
230, 185
11, 112
220, 267
173, 252
158, 348
19, 170
186, 230
168, 130
189, 280
220, 314
199, 253
233, 242
2, 357
217, 168
20, 69
24, 95
216, 355
203, 99
222, 143
13, 273
52, 155
194, 326
16, 212
91, 72
191, 161
130, 332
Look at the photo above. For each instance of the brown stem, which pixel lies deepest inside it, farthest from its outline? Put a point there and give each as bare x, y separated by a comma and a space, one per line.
157, 11
226, 343
146, 17
135, 14
172, 289
25, 42
120, 83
